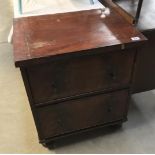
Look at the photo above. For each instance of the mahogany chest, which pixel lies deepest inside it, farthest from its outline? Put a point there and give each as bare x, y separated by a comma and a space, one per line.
77, 69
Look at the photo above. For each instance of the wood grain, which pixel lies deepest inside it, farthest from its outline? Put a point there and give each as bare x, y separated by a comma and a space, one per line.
81, 75
51, 35
66, 117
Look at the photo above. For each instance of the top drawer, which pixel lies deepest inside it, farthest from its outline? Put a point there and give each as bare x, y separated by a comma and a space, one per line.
78, 75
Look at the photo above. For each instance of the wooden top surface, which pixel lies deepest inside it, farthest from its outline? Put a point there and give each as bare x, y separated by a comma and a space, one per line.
47, 36
147, 17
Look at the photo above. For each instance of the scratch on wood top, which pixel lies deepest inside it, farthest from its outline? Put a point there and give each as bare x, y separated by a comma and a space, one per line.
42, 44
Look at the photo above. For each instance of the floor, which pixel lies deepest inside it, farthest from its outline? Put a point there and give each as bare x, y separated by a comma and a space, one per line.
17, 129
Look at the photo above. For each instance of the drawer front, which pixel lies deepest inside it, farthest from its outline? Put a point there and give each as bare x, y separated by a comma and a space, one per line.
80, 75
83, 113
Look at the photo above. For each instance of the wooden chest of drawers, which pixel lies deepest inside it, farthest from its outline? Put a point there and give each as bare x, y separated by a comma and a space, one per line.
77, 93
80, 81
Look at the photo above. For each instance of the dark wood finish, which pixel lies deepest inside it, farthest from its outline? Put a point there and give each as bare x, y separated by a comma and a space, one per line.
80, 31
144, 79
80, 75
77, 69
82, 113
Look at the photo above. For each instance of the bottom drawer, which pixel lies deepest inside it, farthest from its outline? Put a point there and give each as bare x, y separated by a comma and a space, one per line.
82, 113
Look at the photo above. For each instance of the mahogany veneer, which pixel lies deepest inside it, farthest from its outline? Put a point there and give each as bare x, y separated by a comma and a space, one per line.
77, 69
